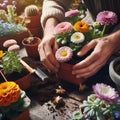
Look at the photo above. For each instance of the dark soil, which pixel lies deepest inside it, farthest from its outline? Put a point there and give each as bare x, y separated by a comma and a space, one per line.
14, 76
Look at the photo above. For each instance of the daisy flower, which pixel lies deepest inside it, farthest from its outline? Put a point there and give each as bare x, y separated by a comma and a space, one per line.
64, 54
77, 37
105, 92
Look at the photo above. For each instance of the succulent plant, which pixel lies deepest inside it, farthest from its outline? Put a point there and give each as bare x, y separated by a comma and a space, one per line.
97, 109
31, 10
76, 115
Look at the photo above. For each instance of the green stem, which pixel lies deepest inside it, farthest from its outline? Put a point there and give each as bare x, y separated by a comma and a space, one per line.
103, 31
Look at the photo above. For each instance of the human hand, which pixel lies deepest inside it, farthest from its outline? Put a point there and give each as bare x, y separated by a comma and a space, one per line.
102, 49
47, 49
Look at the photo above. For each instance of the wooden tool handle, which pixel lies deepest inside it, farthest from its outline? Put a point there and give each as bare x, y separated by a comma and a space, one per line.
30, 69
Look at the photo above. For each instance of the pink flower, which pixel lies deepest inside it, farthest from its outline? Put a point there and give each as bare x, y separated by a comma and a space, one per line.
107, 17
71, 13
63, 27
105, 92
64, 54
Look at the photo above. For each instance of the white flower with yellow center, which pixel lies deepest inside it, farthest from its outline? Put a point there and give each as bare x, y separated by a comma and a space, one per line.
64, 54
77, 37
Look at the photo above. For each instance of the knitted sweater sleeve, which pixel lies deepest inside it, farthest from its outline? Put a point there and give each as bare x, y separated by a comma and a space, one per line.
54, 8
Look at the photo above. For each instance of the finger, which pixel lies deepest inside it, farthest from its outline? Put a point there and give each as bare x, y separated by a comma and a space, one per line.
86, 62
45, 61
87, 48
85, 74
51, 57
49, 60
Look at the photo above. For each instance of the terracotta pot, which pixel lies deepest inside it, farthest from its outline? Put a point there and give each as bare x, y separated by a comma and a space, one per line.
34, 21
114, 71
65, 73
23, 116
18, 37
32, 48
22, 79
24, 82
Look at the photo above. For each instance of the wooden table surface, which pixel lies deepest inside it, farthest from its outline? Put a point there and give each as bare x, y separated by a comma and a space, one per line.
42, 94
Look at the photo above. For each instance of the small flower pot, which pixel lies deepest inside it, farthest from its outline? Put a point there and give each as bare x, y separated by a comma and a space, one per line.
114, 71
34, 21
32, 47
65, 74
22, 79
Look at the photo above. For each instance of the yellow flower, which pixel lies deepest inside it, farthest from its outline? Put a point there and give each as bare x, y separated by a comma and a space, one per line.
9, 93
1, 53
81, 26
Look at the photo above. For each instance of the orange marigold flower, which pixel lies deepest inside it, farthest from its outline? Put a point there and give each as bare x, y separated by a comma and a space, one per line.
1, 53
81, 26
9, 93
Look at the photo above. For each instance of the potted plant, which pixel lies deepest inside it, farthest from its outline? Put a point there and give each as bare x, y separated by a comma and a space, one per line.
31, 46
72, 35
114, 71
102, 104
33, 16
14, 103
12, 26
13, 70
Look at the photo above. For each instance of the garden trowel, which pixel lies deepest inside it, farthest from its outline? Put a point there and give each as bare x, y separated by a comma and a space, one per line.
37, 71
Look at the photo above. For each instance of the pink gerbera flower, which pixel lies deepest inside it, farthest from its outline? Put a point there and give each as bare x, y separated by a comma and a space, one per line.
105, 92
63, 27
64, 54
107, 17
71, 13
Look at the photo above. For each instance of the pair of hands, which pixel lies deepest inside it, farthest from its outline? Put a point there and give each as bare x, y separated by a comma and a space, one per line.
102, 49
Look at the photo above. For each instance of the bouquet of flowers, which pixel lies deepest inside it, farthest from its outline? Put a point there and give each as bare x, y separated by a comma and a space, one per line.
74, 33
13, 100
103, 104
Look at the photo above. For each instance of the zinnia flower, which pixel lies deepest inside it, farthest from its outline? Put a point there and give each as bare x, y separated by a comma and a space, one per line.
107, 17
9, 93
63, 27
105, 92
64, 54
81, 26
71, 13
77, 37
